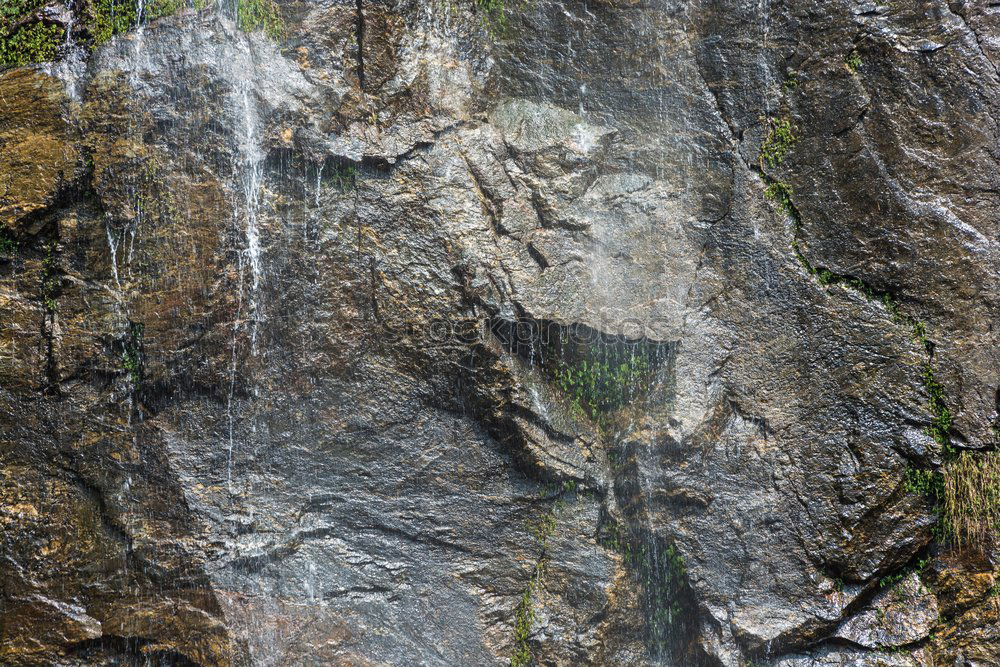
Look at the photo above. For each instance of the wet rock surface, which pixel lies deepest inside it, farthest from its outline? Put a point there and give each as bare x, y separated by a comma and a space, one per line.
405, 338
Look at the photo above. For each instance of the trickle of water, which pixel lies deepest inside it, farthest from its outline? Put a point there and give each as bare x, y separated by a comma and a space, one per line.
250, 156
251, 163
113, 247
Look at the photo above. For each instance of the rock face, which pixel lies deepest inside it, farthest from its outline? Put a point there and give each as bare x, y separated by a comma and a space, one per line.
409, 334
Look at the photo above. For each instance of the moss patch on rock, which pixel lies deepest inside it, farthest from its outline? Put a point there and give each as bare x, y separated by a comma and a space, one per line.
32, 43
263, 15
777, 142
108, 18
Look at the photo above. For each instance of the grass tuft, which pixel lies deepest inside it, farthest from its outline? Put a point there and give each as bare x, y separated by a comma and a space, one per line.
972, 498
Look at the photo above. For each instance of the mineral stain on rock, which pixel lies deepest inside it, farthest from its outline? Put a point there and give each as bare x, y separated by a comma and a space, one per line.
498, 333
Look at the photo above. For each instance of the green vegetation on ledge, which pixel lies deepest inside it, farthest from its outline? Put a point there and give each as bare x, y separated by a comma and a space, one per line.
598, 386
344, 177
159, 8
966, 491
892, 579
109, 18
781, 194
265, 15
33, 43
940, 427
13, 10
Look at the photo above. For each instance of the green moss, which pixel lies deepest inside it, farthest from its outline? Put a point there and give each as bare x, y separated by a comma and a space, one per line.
494, 12
777, 142
524, 612
159, 8
131, 357
928, 483
781, 194
853, 62
940, 427
265, 15
12, 11
33, 43
344, 177
8, 244
597, 386
896, 577
109, 18
524, 616
50, 277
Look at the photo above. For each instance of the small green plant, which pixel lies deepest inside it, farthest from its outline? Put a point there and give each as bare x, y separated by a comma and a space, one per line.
541, 530
927, 483
931, 485
600, 386
781, 194
50, 277
155, 9
265, 15
777, 142
344, 177
109, 18
791, 81
940, 427
495, 13
826, 277
675, 562
34, 43
524, 612
896, 577
8, 244
853, 61
13, 10
524, 615
130, 362
131, 356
